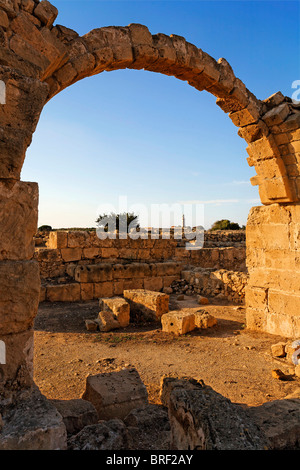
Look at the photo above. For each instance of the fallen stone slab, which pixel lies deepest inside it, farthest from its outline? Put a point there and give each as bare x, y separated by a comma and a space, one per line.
33, 424
280, 422
106, 435
107, 321
119, 307
146, 305
149, 427
76, 413
115, 394
177, 322
202, 419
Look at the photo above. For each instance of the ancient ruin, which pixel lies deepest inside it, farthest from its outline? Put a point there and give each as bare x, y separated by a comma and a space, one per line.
39, 60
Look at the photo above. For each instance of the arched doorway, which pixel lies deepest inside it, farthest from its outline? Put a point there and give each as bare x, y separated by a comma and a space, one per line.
40, 61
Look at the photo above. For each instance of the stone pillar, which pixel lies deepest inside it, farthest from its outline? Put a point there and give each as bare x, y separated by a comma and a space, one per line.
19, 285
273, 260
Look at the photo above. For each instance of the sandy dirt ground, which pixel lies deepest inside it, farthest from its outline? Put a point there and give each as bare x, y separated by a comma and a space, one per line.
235, 362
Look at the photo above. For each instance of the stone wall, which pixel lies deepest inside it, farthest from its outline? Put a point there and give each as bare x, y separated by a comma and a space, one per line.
67, 249
219, 284
273, 292
89, 282
125, 264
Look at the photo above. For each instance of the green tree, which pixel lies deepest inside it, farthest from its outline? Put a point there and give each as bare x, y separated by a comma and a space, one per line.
112, 221
45, 228
225, 224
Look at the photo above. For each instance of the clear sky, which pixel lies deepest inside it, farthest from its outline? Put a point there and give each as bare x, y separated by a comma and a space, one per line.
151, 138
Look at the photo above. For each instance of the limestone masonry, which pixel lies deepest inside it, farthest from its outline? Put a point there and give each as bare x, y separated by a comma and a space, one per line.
37, 61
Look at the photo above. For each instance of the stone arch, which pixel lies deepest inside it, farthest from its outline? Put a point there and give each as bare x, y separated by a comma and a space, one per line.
134, 47
37, 61
47, 59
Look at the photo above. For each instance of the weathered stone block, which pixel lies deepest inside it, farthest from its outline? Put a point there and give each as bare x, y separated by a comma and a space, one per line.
177, 322
279, 421
87, 291
107, 321
71, 254
256, 297
58, 239
169, 383
115, 394
19, 214
97, 273
146, 305
17, 372
78, 239
153, 283
63, 293
106, 435
276, 115
33, 424
91, 253
246, 116
103, 289
119, 307
46, 12
19, 293
76, 414
204, 319
278, 349
202, 419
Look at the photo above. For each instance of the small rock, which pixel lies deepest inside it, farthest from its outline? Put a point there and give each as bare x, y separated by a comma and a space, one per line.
278, 349
106, 435
180, 297
279, 375
91, 325
167, 290
202, 300
107, 321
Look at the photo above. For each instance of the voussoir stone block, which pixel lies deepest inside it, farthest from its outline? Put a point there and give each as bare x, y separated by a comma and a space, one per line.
115, 394
19, 215
146, 305
46, 12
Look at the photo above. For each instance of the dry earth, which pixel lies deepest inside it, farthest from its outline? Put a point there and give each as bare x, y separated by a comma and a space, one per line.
235, 362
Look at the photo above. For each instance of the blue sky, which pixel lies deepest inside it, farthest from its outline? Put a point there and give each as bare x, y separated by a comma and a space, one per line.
152, 138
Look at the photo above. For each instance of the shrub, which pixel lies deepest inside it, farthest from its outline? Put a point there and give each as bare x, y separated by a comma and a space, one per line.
225, 224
